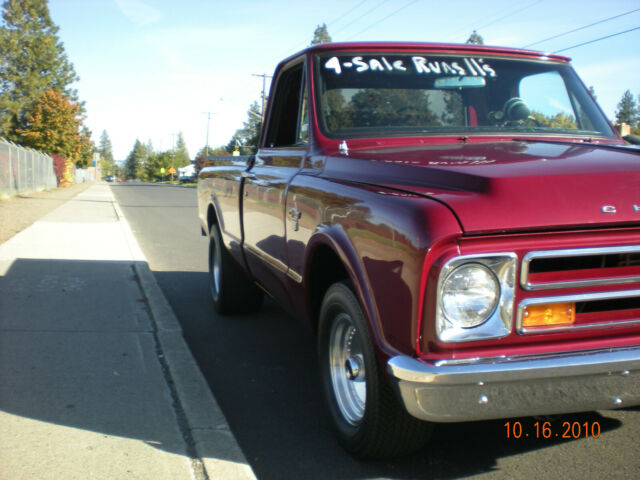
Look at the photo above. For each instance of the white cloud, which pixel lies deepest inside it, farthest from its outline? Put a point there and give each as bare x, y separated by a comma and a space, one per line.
138, 12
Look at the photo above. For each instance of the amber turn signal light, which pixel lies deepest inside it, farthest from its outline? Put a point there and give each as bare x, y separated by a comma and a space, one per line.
549, 314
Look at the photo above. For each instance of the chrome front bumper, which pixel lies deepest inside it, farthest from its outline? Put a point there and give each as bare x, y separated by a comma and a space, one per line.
505, 387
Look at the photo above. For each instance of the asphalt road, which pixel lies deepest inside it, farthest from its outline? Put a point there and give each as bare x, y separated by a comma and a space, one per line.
263, 372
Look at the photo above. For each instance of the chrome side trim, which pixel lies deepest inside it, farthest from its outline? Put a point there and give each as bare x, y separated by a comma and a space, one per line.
586, 297
574, 252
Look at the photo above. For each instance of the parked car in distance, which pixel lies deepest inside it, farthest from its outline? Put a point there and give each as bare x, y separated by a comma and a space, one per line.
458, 224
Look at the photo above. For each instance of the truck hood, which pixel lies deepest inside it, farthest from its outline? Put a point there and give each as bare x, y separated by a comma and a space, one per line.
509, 186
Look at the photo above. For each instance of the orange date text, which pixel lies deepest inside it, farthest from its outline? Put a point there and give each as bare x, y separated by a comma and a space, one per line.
548, 430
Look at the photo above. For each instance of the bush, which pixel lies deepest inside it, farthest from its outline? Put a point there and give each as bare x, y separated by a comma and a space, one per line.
63, 169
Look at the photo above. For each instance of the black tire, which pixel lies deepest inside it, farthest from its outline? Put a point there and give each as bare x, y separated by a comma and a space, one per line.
231, 290
368, 420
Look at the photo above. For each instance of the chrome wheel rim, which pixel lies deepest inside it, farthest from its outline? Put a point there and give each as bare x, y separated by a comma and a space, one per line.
347, 370
215, 260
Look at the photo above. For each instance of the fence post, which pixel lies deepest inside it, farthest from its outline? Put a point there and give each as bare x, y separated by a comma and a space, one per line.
11, 179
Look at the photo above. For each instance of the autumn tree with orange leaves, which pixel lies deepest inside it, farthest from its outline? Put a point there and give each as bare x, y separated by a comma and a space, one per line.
54, 125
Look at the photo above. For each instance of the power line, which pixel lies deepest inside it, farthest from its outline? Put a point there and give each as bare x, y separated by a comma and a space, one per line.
383, 19
363, 15
596, 40
347, 12
508, 15
581, 28
491, 22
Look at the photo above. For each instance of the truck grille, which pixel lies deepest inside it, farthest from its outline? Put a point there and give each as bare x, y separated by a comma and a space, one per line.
545, 270
595, 273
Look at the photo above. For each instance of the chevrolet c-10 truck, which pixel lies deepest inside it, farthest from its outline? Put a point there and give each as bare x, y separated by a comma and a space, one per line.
460, 225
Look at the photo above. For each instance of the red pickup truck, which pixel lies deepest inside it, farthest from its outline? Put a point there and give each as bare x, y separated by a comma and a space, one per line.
460, 225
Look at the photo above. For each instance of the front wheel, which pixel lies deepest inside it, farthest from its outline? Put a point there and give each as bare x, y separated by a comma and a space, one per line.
369, 421
231, 290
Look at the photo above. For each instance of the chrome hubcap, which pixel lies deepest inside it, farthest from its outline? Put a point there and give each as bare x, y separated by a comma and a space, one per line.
215, 260
346, 366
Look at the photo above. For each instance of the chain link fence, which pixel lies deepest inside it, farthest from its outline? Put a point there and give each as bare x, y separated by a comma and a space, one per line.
24, 170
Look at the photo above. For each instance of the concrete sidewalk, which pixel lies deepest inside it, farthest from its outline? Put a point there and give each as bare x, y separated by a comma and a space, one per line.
96, 380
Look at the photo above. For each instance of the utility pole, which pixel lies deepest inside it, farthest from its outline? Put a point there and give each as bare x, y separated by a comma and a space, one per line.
173, 152
206, 145
264, 80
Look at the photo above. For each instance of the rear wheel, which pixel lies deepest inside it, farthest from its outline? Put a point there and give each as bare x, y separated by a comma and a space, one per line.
231, 290
369, 421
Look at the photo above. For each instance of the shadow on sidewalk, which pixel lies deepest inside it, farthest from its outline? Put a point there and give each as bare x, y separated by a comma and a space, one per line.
78, 349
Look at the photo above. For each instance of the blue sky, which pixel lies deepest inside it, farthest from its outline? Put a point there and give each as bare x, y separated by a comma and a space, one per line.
151, 68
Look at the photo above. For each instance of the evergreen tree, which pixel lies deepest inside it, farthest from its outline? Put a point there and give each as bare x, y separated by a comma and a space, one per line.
32, 61
105, 150
475, 38
627, 111
134, 165
181, 154
248, 137
321, 35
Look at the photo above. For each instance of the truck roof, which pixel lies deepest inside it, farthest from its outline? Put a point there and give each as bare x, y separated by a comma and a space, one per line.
433, 47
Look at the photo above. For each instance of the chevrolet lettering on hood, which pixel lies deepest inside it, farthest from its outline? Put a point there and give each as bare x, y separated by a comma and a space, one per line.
458, 224
612, 209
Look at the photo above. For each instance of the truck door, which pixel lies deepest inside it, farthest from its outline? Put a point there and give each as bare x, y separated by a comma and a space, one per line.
266, 182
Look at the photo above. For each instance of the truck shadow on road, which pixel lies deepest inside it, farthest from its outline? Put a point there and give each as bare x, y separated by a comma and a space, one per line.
262, 370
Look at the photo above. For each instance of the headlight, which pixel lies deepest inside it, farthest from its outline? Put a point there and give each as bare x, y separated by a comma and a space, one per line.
475, 297
470, 295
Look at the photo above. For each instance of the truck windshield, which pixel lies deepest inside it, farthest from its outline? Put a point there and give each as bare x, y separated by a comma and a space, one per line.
382, 95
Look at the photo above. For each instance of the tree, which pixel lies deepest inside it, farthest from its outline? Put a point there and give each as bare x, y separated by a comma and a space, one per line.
157, 165
627, 111
475, 39
105, 150
248, 137
53, 125
321, 35
181, 154
32, 61
134, 164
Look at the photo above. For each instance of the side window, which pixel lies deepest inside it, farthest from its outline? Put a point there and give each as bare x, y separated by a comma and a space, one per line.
287, 124
303, 128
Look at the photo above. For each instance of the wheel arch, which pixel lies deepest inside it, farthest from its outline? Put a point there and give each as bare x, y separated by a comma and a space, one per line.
332, 258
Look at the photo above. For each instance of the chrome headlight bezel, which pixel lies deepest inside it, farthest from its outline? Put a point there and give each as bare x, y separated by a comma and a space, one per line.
497, 322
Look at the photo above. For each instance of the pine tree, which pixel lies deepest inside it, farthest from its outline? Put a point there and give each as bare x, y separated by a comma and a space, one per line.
627, 111
105, 149
32, 61
321, 35
134, 165
248, 137
181, 154
475, 38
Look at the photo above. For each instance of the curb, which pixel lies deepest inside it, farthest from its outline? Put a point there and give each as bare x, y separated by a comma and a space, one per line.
205, 428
